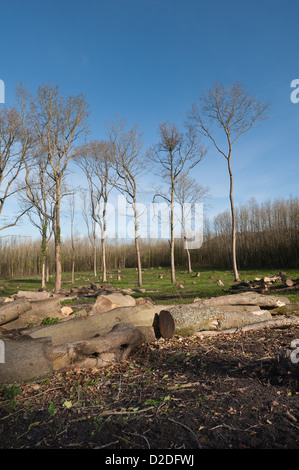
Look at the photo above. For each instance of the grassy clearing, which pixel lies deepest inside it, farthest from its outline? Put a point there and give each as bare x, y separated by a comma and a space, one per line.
204, 286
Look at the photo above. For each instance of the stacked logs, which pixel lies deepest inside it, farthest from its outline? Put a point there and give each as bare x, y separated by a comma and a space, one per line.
108, 332
278, 282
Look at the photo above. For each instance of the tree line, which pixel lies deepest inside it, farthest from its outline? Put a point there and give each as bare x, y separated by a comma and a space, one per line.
267, 236
44, 132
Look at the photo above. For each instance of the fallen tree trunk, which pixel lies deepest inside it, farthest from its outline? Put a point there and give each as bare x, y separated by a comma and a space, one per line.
32, 295
25, 359
268, 324
78, 329
99, 351
12, 310
111, 301
247, 298
236, 308
186, 320
39, 309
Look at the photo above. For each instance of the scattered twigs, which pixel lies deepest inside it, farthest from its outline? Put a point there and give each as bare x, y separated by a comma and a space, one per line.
140, 435
126, 412
188, 429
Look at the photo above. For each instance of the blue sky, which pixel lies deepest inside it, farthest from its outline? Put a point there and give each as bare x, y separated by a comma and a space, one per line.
148, 60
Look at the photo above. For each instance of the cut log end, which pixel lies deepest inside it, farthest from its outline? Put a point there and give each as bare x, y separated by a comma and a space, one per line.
166, 324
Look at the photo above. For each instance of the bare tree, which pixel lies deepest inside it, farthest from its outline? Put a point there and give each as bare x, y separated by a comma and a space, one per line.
38, 197
72, 218
16, 141
176, 154
95, 160
87, 212
235, 112
188, 193
130, 163
58, 122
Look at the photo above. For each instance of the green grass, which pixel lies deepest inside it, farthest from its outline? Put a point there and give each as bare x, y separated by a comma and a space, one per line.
204, 286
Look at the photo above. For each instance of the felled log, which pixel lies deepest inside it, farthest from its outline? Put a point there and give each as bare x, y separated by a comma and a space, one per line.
25, 359
12, 310
82, 328
247, 298
186, 320
282, 322
111, 301
261, 285
236, 308
32, 295
114, 347
38, 311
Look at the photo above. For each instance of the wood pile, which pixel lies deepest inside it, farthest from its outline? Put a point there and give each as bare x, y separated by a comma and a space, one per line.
110, 328
106, 332
227, 312
279, 282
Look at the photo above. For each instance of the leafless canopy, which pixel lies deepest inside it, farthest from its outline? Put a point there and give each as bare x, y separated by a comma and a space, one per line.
59, 123
129, 163
177, 153
230, 108
234, 111
16, 141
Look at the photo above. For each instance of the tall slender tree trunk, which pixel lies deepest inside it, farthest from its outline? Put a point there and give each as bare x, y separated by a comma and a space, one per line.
137, 247
44, 254
43, 286
47, 267
73, 270
189, 261
95, 255
186, 240
57, 236
57, 287
138, 260
235, 268
172, 264
104, 267
73, 260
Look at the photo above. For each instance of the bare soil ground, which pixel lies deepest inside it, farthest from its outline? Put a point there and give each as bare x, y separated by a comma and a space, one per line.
222, 392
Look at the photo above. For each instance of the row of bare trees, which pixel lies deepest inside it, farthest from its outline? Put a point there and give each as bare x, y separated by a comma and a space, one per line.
267, 236
46, 131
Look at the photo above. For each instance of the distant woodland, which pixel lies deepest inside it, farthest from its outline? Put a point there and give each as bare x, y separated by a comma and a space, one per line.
267, 236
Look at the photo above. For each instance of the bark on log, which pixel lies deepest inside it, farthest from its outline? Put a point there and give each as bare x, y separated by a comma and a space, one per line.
187, 320
247, 298
38, 311
78, 329
25, 360
32, 295
111, 301
268, 324
99, 351
12, 310
236, 308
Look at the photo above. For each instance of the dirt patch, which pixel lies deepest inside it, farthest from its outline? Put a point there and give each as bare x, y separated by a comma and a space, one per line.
229, 391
